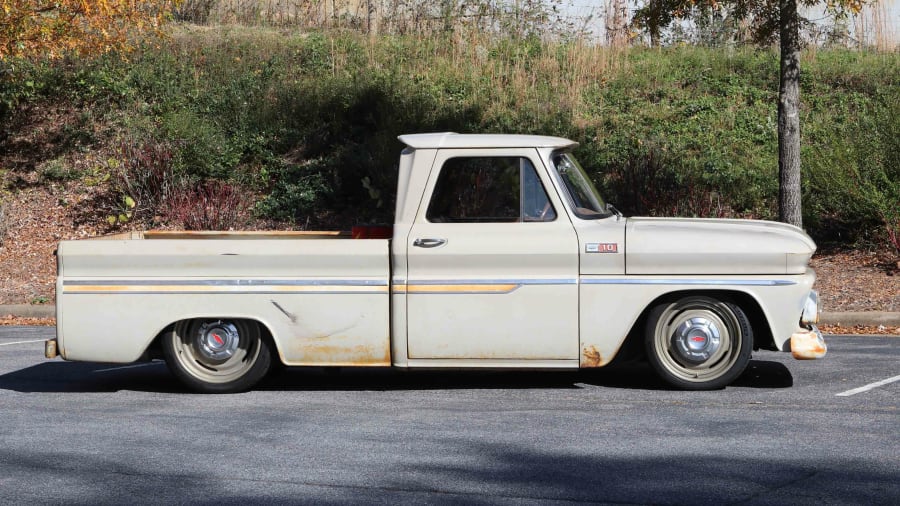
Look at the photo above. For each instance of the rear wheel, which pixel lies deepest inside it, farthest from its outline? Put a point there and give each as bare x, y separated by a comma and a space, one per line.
217, 355
698, 342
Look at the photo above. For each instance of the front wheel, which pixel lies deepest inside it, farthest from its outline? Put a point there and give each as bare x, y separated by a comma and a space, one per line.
698, 342
217, 355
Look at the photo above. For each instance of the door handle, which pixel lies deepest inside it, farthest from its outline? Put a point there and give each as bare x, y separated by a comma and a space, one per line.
429, 243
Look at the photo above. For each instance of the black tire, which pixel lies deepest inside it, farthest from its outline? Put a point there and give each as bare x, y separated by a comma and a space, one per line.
698, 342
217, 355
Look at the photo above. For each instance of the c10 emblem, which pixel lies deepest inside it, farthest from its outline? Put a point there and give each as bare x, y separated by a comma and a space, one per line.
601, 247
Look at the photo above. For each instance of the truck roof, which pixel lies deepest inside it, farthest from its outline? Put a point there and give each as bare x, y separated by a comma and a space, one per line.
452, 140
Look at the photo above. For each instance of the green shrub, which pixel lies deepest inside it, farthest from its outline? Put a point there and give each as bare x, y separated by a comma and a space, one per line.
298, 192
853, 175
203, 149
144, 179
56, 170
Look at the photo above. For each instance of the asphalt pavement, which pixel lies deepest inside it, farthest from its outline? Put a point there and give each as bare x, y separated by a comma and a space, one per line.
787, 432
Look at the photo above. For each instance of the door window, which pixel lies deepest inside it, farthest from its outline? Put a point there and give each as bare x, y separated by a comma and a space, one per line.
489, 190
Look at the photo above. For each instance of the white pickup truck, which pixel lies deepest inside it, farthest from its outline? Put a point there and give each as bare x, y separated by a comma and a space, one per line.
502, 255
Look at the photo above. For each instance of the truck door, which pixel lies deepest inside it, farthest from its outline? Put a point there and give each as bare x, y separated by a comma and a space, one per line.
492, 262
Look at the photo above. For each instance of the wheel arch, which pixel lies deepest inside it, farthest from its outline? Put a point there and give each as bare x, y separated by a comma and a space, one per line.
154, 350
762, 330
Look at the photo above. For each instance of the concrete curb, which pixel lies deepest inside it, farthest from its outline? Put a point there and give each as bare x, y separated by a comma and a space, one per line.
851, 318
845, 319
28, 310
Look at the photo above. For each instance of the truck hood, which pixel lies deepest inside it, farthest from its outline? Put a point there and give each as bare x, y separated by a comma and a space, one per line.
713, 246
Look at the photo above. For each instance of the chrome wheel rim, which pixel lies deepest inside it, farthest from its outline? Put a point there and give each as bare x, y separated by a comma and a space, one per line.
217, 351
698, 339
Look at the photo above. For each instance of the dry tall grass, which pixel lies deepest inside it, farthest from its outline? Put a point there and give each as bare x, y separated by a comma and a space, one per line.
873, 27
521, 18
508, 76
879, 28
302, 13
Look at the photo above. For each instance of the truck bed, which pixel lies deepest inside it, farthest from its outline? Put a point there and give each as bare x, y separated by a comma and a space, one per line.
324, 301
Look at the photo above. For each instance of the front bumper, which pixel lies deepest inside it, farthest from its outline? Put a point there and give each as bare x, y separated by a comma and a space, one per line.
808, 344
51, 348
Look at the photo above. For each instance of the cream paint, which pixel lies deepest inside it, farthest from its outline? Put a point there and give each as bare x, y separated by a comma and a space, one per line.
325, 301
541, 294
533, 268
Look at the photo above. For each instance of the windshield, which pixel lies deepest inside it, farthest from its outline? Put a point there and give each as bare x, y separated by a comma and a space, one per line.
583, 196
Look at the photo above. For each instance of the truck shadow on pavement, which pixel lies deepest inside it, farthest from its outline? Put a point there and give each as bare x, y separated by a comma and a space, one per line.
155, 377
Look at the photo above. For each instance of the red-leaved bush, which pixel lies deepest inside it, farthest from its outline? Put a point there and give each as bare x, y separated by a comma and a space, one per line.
210, 205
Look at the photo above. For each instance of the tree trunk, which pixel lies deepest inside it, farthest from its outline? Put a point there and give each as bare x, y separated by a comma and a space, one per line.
655, 22
616, 23
372, 17
789, 115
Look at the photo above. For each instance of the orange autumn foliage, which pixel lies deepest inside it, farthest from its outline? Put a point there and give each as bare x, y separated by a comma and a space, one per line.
53, 28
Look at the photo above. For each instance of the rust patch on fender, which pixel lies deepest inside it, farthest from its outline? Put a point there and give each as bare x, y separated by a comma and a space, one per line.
340, 351
590, 357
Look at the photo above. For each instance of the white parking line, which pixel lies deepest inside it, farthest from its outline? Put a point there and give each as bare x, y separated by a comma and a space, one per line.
23, 342
868, 387
127, 367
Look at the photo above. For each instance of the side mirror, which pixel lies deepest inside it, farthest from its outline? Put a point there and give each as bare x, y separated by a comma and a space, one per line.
612, 209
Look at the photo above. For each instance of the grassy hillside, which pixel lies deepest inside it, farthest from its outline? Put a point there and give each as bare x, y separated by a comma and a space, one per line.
300, 128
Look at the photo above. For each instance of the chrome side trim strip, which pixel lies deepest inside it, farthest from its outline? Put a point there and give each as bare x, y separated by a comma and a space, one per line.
221, 292
474, 286
675, 281
227, 282
224, 286
513, 281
